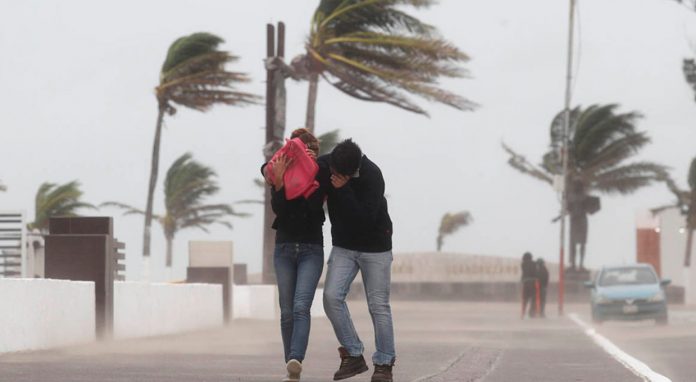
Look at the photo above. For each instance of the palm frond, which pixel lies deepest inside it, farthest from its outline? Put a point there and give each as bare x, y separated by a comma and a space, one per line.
374, 51
57, 200
521, 164
628, 178
127, 209
187, 185
194, 75
187, 47
328, 141
451, 222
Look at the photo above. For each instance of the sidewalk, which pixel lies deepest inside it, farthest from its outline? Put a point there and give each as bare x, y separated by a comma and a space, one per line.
436, 342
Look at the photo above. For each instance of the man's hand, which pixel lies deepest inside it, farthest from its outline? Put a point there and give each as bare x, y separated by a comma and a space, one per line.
338, 181
280, 165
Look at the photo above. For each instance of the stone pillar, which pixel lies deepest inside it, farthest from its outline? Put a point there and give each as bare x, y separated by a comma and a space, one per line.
81, 249
211, 262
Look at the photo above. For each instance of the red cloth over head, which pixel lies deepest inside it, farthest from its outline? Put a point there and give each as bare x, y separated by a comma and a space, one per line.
300, 176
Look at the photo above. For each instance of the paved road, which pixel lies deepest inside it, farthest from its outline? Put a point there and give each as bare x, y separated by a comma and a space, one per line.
436, 342
669, 350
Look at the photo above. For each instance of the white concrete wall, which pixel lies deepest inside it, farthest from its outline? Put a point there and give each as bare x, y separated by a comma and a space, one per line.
261, 302
151, 309
40, 314
672, 251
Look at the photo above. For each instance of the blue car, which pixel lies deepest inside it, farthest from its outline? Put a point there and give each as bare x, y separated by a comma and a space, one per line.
632, 292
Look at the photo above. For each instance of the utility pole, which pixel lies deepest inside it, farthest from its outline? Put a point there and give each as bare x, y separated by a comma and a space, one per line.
564, 153
275, 129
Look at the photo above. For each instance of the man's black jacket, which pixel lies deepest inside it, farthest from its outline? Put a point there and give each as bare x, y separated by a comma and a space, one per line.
358, 211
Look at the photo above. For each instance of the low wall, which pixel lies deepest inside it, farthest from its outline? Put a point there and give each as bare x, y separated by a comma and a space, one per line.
261, 302
575, 292
40, 314
151, 309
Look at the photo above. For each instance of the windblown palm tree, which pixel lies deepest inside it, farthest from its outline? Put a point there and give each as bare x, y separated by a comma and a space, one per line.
686, 203
450, 224
374, 51
187, 186
328, 141
194, 76
600, 142
57, 200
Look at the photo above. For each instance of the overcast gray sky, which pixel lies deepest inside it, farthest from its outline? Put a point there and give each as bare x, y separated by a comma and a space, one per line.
76, 102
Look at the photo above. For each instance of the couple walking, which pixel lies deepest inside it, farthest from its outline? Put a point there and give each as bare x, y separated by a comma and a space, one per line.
353, 188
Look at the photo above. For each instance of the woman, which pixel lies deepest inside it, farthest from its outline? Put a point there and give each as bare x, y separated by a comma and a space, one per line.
299, 255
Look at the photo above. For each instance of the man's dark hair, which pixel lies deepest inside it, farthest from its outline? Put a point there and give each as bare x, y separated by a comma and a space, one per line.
345, 157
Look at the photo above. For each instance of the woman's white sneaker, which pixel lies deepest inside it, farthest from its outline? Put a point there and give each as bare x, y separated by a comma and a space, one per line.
294, 368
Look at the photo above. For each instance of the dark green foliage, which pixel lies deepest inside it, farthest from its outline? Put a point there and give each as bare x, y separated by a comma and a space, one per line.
57, 200
600, 143
187, 187
374, 51
194, 75
451, 223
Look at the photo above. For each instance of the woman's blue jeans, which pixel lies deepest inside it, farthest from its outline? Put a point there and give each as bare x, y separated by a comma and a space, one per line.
298, 268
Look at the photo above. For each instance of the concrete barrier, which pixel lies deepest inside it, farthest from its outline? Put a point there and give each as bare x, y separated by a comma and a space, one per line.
261, 302
41, 314
145, 309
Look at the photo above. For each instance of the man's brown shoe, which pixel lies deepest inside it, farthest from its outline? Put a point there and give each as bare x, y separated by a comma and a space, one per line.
350, 366
383, 373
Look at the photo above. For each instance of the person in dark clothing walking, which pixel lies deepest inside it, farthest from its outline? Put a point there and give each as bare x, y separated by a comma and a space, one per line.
298, 257
529, 279
543, 278
361, 230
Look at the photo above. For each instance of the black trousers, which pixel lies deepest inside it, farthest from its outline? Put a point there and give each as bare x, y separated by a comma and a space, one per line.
529, 297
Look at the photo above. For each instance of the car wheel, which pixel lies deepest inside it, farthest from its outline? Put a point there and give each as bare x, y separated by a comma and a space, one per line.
662, 321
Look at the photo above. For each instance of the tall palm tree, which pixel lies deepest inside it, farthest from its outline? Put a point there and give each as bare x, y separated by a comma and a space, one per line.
450, 224
600, 142
56, 200
186, 187
194, 76
374, 51
686, 203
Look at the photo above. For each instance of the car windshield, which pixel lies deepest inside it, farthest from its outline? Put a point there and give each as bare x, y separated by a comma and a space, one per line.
627, 276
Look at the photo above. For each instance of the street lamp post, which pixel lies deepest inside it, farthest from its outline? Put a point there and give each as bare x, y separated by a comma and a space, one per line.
564, 154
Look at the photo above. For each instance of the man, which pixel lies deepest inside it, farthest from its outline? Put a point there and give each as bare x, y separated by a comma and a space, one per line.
361, 231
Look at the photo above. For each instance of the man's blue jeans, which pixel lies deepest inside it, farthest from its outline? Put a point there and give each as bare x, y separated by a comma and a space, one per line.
298, 268
376, 274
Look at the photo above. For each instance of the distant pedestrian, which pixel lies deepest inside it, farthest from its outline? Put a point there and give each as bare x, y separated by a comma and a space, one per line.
543, 278
529, 279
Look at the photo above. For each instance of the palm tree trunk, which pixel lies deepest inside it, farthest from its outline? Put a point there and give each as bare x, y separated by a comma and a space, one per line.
154, 168
689, 246
312, 101
170, 242
439, 243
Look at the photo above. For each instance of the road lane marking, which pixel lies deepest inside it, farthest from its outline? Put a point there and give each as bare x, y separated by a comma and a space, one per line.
631, 363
